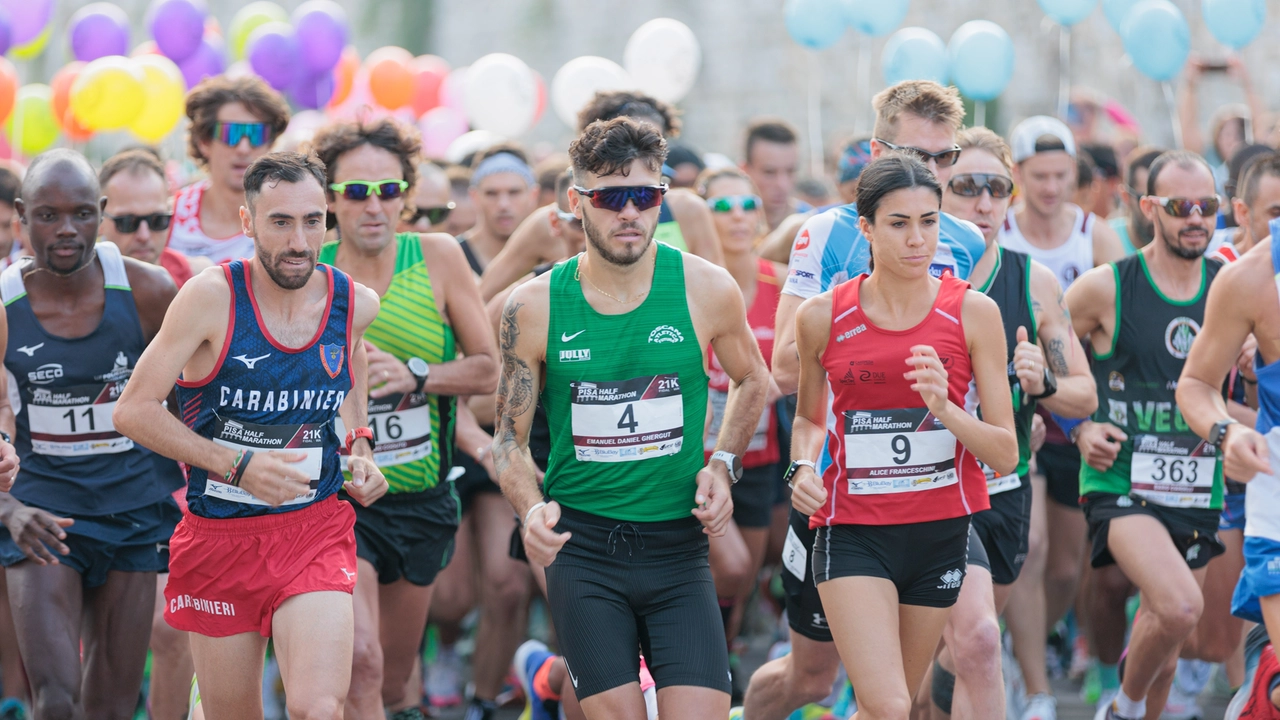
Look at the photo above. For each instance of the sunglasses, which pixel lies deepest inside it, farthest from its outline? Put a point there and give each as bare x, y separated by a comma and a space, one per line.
569, 218
1183, 207
433, 215
973, 184
357, 190
726, 203
945, 159
615, 198
231, 134
130, 223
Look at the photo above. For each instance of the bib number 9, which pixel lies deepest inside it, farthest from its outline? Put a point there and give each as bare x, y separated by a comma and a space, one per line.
901, 447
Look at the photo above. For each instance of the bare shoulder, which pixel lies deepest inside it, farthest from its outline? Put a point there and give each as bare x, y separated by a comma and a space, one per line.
1252, 275
1097, 284
441, 245
206, 290
528, 307
366, 308
1045, 287
815, 309
977, 307
707, 282
149, 280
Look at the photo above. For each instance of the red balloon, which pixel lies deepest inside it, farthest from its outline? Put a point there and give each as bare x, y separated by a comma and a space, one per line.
8, 87
61, 84
429, 71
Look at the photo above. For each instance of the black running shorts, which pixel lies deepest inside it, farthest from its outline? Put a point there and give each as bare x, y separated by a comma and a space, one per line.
1193, 531
804, 606
926, 561
1005, 532
753, 496
408, 535
1060, 465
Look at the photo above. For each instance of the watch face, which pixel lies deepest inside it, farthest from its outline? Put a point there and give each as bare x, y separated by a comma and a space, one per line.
417, 366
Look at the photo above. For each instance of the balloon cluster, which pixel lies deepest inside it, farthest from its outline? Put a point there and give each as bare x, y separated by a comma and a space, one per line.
299, 55
817, 24
978, 59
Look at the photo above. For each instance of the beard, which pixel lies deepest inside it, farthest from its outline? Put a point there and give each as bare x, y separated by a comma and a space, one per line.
596, 238
1177, 248
282, 277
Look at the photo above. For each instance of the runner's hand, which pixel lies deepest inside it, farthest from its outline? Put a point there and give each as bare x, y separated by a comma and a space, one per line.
1244, 453
714, 499
1028, 363
8, 466
32, 530
928, 378
275, 477
387, 375
1038, 431
367, 483
807, 494
1099, 444
541, 541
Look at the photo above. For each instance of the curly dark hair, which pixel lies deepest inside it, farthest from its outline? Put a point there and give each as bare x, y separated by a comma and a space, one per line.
205, 99
607, 147
623, 103
403, 141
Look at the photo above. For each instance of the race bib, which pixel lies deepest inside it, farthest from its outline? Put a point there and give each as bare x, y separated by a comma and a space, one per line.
76, 421
627, 420
401, 427
997, 483
1173, 470
718, 399
307, 439
794, 556
895, 451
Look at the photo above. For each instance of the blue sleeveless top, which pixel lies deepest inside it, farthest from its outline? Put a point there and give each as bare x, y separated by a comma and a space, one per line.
263, 396
63, 391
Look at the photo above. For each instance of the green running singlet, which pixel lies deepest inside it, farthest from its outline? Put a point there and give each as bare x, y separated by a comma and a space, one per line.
626, 399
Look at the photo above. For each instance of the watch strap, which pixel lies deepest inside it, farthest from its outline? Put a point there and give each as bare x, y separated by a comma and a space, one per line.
731, 461
356, 434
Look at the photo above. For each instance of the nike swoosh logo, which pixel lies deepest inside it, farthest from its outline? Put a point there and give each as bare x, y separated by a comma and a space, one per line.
563, 336
571, 677
30, 351
250, 362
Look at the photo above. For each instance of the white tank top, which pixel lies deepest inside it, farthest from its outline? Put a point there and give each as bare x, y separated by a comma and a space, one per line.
187, 237
1069, 260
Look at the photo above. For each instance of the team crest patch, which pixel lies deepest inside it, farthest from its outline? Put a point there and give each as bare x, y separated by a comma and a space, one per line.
332, 356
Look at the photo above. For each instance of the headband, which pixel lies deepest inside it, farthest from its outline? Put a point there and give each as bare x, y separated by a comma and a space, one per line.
503, 162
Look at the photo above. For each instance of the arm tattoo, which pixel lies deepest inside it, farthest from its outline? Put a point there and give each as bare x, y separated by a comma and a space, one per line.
1057, 357
515, 387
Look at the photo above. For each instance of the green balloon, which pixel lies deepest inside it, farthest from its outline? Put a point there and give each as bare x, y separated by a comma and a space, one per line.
248, 19
31, 127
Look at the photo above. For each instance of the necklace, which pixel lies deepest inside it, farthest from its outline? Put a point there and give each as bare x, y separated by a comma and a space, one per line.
577, 275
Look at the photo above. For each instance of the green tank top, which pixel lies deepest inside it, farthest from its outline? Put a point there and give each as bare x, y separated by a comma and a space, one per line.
626, 399
1163, 461
668, 230
413, 433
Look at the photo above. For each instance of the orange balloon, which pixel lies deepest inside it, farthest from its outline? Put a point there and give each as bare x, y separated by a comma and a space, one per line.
391, 78
72, 129
8, 88
344, 75
61, 84
428, 72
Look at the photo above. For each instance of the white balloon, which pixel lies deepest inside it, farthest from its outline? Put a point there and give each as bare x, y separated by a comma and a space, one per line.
663, 57
500, 95
471, 142
578, 80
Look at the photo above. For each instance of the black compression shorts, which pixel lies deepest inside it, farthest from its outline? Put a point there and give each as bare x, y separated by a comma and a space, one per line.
926, 561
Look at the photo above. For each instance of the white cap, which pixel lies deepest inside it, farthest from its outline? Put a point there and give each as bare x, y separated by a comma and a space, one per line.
1023, 139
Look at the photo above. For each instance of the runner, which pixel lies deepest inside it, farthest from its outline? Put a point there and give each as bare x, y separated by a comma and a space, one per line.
266, 551
233, 122
1151, 491
892, 507
629, 319
503, 190
429, 302
88, 524
431, 203
1132, 227
10, 247
770, 159
1257, 204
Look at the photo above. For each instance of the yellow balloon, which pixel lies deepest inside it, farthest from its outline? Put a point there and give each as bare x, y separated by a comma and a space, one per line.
108, 94
165, 98
248, 19
31, 127
32, 49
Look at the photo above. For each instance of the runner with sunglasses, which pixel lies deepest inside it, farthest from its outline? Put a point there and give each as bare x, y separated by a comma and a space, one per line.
1151, 490
430, 309
431, 203
615, 340
233, 122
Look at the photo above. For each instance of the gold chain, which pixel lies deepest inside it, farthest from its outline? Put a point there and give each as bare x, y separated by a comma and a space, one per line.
577, 275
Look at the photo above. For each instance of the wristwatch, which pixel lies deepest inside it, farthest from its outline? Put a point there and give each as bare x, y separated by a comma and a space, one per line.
1050, 385
731, 461
357, 433
794, 467
420, 370
1218, 432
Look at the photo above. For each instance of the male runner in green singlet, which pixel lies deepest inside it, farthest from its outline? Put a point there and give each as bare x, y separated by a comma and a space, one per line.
428, 300
618, 337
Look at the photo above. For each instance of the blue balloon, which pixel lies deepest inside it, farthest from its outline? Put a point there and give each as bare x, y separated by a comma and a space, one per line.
815, 24
875, 17
980, 58
1067, 12
914, 53
1234, 22
1117, 11
1157, 38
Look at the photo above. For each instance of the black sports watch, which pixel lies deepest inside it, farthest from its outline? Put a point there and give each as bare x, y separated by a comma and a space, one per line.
5, 436
794, 467
1050, 385
1218, 432
420, 370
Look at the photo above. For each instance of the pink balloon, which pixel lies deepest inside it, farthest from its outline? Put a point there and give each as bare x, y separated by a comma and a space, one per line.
440, 127
453, 90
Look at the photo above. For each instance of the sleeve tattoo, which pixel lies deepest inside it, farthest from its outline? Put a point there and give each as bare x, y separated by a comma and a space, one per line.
515, 387
1056, 347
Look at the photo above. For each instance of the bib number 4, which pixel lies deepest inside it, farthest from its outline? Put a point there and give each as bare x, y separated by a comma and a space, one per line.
623, 421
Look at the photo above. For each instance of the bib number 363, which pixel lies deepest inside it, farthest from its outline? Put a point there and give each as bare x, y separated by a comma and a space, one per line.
622, 421
1173, 470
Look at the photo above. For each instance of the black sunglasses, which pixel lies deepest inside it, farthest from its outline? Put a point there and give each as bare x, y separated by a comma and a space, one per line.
129, 223
615, 198
945, 159
433, 215
972, 185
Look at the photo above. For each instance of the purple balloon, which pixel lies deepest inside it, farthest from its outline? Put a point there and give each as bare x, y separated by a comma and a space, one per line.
208, 60
313, 91
100, 32
178, 27
29, 18
274, 55
321, 28
6, 31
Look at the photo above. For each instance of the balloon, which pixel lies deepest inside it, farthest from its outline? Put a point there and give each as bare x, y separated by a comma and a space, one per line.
344, 75
98, 30
662, 57
61, 85
29, 18
470, 143
578, 80
32, 128
313, 91
108, 94
6, 31
147, 47
914, 53
429, 73
390, 77
876, 18
815, 24
177, 26
32, 50
321, 26
1067, 12
1117, 11
165, 101
451, 89
1234, 22
274, 54
541, 107
440, 127
72, 129
8, 87
248, 19
1157, 38
500, 95
208, 60
980, 59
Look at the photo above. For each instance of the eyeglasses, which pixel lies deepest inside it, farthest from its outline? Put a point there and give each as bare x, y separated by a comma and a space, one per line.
726, 203
127, 224
1183, 207
433, 215
945, 159
358, 190
972, 185
616, 197
569, 218
258, 134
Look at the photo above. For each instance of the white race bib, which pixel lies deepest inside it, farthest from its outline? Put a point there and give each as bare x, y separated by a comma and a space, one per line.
794, 556
627, 420
76, 421
895, 451
1173, 470
719, 400
401, 427
307, 439
999, 483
